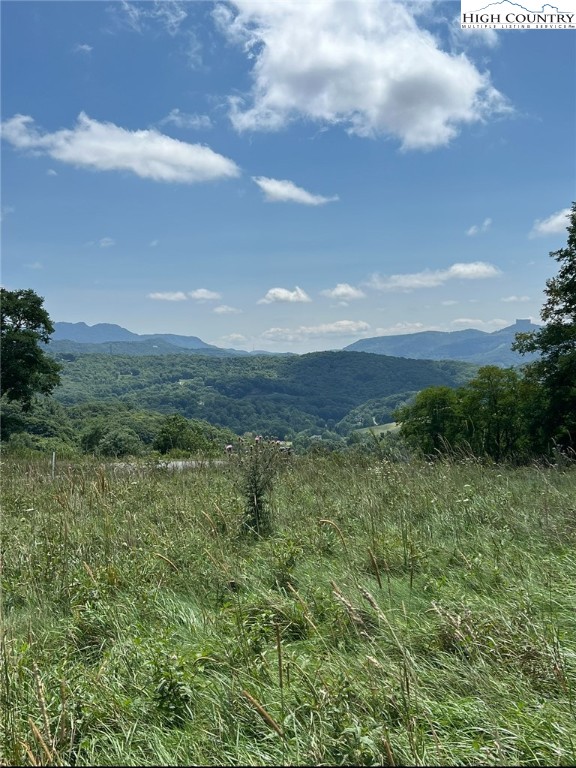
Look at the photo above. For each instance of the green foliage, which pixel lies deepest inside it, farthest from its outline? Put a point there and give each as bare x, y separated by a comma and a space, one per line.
268, 395
26, 368
494, 415
259, 463
399, 613
191, 436
556, 343
432, 421
120, 442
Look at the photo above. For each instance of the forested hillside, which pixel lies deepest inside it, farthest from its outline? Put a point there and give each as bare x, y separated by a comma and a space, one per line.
265, 394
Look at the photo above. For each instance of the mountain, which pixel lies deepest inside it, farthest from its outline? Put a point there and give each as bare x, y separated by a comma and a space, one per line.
111, 339
104, 333
470, 345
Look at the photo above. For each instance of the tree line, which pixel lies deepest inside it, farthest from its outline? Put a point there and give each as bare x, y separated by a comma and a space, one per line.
506, 414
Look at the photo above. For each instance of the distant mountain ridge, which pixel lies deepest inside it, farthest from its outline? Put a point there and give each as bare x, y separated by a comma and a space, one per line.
104, 333
112, 339
469, 345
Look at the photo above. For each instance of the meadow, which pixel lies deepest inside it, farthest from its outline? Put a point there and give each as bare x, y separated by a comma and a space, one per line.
405, 613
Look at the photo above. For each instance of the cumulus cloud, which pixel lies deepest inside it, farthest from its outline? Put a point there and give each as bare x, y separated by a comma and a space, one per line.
463, 38
365, 65
343, 292
168, 296
203, 294
477, 229
184, 120
339, 328
83, 48
514, 299
107, 147
431, 278
283, 294
224, 309
556, 223
284, 191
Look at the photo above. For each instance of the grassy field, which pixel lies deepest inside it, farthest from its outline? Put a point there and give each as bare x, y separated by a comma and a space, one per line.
379, 429
398, 614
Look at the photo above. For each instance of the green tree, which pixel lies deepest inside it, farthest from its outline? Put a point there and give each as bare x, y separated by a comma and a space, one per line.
431, 423
493, 415
556, 343
26, 368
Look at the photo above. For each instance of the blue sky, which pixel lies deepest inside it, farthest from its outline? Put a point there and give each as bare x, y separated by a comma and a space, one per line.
285, 175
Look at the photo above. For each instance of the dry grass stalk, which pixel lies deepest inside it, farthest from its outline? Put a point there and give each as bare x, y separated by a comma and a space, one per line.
167, 560
212, 523
42, 701
375, 566
370, 599
90, 573
29, 753
350, 610
389, 754
266, 716
40, 740
325, 521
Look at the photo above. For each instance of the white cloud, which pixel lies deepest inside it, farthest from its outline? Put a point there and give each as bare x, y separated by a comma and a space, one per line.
344, 292
203, 294
51, 172
35, 265
473, 270
224, 309
284, 191
83, 48
477, 229
283, 294
303, 332
107, 147
402, 328
365, 65
168, 296
513, 299
449, 303
474, 322
553, 225
106, 242
6, 210
184, 120
472, 36
168, 13
193, 50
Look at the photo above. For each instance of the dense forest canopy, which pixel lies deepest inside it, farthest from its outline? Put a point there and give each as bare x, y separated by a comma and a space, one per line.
276, 394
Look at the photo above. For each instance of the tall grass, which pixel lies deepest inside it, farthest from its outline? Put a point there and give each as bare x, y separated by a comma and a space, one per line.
396, 614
